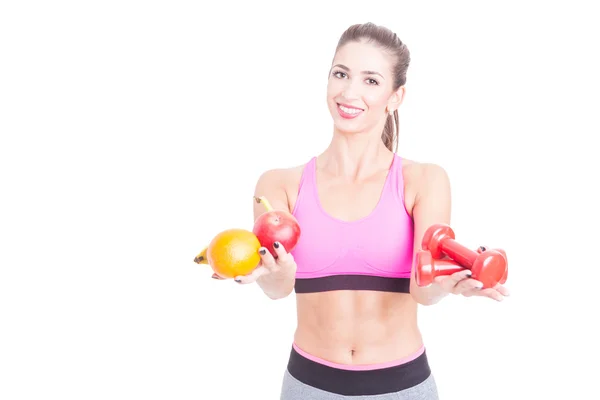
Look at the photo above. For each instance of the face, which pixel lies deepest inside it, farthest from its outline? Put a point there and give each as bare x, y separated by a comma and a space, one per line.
360, 88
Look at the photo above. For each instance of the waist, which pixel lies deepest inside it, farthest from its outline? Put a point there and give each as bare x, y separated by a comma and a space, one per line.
394, 362
370, 379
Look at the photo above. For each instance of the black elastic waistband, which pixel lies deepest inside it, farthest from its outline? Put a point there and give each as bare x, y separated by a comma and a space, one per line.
356, 383
352, 282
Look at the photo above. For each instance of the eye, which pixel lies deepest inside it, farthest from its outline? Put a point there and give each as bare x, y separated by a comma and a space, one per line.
339, 74
372, 81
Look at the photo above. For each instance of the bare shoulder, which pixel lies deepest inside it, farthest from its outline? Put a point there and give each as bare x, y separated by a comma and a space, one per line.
280, 186
423, 173
422, 178
281, 178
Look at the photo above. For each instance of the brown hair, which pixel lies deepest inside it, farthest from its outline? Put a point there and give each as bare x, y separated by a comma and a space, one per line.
391, 43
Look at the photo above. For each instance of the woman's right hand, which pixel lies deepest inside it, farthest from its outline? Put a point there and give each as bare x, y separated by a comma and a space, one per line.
268, 265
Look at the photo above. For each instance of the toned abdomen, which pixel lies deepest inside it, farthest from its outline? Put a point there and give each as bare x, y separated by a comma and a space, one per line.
357, 327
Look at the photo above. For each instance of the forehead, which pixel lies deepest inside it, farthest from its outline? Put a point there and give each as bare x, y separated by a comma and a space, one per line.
363, 57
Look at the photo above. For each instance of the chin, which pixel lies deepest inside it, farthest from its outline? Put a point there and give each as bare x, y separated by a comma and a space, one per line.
344, 125
348, 128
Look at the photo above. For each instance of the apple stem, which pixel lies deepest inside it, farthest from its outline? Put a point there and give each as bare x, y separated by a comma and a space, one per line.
264, 201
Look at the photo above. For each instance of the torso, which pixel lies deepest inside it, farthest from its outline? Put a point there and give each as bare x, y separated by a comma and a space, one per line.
347, 326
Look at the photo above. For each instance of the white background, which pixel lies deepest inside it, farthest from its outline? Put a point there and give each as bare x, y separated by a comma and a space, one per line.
132, 132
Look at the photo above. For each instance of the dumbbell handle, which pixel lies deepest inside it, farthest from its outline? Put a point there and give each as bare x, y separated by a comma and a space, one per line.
465, 256
490, 267
459, 253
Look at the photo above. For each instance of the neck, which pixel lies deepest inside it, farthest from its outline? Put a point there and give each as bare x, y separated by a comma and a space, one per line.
355, 155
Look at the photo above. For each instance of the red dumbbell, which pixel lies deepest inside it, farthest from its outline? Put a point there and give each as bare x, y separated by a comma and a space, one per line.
427, 268
489, 267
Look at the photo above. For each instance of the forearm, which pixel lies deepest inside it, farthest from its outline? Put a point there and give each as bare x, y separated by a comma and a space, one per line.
278, 285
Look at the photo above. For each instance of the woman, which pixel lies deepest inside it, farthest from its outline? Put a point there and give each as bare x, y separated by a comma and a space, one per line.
362, 210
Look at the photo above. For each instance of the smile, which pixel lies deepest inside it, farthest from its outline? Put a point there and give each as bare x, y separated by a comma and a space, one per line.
348, 112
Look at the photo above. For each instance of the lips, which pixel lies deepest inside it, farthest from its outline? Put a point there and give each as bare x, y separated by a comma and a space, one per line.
348, 112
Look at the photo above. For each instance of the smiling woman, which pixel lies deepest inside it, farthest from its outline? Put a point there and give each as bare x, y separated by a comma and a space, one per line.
393, 61
363, 210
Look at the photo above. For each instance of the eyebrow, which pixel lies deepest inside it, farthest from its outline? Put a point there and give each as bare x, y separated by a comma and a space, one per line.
341, 66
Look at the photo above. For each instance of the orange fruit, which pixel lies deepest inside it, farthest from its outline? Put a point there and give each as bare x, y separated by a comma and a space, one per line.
233, 252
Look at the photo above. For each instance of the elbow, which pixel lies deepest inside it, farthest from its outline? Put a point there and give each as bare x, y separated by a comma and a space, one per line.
420, 299
276, 287
426, 298
278, 296
281, 294
425, 301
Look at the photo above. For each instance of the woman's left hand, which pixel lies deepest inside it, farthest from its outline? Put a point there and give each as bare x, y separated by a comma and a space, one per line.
498, 292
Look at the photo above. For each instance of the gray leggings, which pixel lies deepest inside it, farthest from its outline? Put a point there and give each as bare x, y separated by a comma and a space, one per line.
293, 389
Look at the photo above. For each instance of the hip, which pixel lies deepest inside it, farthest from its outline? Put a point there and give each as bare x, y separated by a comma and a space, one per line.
307, 376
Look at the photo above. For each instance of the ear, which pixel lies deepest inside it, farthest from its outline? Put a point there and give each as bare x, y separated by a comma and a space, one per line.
396, 99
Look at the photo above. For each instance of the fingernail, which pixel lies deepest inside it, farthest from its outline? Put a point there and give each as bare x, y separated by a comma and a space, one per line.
276, 245
263, 251
238, 281
214, 277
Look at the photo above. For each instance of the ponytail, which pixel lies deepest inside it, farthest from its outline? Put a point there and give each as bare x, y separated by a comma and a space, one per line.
390, 132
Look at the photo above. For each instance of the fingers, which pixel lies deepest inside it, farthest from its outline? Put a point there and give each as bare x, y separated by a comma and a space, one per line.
268, 261
461, 283
467, 285
268, 264
283, 260
489, 292
449, 282
283, 257
492, 294
252, 276
502, 290
497, 293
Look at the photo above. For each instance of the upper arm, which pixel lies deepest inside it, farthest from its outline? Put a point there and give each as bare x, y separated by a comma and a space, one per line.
271, 185
433, 201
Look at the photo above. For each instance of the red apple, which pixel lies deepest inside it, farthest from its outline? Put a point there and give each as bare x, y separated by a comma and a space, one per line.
276, 226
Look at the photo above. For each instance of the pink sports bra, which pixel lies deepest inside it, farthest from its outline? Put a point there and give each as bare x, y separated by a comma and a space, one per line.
372, 253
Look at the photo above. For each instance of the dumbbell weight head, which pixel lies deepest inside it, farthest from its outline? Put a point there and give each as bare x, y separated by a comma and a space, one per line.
502, 281
433, 236
505, 276
489, 268
427, 268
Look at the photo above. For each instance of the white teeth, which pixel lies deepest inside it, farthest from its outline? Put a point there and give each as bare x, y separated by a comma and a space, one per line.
350, 110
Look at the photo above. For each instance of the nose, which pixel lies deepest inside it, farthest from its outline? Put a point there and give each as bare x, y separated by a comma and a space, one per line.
351, 90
